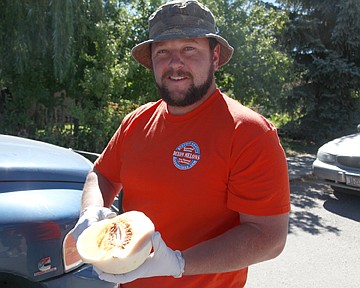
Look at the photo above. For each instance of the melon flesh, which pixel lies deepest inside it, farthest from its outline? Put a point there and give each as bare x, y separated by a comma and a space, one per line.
117, 245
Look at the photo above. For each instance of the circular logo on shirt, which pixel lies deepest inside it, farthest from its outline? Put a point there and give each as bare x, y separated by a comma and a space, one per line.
186, 155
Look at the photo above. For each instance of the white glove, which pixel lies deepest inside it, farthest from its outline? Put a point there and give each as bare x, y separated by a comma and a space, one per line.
162, 262
90, 215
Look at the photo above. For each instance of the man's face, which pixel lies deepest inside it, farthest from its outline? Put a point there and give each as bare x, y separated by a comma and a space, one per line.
184, 70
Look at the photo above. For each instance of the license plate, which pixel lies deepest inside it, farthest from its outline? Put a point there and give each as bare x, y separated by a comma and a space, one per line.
353, 180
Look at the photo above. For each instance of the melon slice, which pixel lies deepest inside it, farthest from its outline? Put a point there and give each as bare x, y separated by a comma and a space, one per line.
117, 245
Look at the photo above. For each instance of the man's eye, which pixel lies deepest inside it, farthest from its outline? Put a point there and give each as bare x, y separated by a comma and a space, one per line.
189, 48
162, 51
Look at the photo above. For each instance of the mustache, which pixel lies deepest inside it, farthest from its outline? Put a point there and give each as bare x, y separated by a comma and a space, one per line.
178, 73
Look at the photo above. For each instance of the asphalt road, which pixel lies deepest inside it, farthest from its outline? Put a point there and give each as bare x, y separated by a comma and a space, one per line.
323, 246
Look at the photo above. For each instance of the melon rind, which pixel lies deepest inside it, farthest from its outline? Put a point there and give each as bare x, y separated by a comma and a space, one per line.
118, 260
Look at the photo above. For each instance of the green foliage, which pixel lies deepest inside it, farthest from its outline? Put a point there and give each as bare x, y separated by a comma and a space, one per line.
264, 69
67, 75
325, 42
66, 61
259, 70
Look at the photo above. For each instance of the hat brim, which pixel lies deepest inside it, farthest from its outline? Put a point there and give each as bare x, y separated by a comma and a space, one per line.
142, 51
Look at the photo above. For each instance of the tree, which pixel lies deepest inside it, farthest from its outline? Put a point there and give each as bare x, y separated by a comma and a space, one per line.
324, 39
36, 45
74, 57
64, 50
259, 69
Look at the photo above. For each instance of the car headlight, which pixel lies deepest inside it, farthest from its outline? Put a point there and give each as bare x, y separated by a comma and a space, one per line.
71, 256
326, 157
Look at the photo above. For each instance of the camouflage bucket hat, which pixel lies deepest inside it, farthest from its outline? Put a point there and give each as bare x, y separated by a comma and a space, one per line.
177, 20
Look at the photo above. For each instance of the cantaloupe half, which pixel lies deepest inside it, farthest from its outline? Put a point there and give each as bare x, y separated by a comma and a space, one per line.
117, 245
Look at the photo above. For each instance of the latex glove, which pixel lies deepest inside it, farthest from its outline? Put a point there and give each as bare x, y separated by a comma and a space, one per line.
162, 262
90, 215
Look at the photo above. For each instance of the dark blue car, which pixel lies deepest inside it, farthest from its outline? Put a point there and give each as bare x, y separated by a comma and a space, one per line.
40, 193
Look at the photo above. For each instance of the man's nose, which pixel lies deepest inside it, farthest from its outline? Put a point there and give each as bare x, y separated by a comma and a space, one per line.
176, 60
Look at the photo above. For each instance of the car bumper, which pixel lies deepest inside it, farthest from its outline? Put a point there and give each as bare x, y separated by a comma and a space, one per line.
80, 278
336, 176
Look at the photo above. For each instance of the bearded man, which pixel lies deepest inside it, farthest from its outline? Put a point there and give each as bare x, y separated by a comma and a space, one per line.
210, 173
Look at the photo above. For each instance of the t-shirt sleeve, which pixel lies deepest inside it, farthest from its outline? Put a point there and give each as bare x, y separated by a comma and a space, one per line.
258, 180
108, 163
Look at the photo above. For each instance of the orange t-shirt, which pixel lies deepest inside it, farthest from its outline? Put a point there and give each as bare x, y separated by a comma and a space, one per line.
192, 174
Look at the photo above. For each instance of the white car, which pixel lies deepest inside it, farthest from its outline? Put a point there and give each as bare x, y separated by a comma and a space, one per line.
338, 163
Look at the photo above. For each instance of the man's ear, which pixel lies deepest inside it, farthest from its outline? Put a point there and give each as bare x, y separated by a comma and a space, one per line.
216, 56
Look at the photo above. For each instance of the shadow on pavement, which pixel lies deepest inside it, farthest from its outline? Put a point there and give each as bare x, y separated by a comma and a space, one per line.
306, 199
300, 165
344, 205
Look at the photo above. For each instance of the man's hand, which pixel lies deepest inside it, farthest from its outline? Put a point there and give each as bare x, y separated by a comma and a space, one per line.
162, 262
90, 215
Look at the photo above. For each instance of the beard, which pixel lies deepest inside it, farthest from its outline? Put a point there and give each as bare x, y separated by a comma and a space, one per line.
193, 93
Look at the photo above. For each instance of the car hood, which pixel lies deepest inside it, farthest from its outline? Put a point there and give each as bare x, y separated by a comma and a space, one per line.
344, 146
29, 160
37, 206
